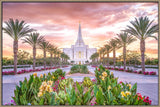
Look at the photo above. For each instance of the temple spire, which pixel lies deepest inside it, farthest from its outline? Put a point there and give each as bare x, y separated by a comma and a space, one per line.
79, 41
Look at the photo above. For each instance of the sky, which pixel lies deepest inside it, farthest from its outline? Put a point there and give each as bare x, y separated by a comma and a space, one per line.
59, 22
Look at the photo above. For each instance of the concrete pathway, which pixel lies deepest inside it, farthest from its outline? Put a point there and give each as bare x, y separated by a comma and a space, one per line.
146, 84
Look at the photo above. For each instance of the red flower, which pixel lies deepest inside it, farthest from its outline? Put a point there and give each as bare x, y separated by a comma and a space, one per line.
93, 80
146, 100
139, 96
120, 82
54, 88
62, 78
99, 69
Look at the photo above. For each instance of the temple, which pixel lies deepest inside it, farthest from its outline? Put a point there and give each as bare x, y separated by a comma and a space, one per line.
79, 53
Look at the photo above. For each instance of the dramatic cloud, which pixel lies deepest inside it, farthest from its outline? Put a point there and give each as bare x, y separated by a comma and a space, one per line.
58, 22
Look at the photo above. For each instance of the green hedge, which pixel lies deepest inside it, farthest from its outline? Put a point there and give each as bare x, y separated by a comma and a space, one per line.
79, 69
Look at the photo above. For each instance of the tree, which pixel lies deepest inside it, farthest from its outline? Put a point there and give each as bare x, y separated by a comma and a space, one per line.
16, 30
94, 57
142, 29
51, 50
58, 52
124, 39
115, 45
44, 46
102, 51
108, 50
64, 57
34, 39
22, 55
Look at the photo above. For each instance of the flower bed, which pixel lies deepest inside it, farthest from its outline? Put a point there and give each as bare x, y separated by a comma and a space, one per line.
79, 69
54, 89
28, 71
131, 71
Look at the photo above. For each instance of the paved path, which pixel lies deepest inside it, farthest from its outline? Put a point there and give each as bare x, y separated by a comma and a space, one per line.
146, 84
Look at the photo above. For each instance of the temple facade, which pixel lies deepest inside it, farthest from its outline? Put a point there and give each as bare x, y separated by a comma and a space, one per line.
79, 53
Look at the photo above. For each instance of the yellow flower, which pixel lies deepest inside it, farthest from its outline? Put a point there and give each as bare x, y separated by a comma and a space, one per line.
129, 86
99, 76
123, 94
53, 77
104, 74
41, 76
45, 74
48, 88
109, 87
41, 87
44, 84
40, 94
111, 73
35, 74
50, 82
103, 78
128, 93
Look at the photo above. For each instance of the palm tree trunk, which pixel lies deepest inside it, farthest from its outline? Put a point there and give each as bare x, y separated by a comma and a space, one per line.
114, 59
100, 58
124, 57
107, 59
44, 59
51, 60
15, 48
54, 59
142, 48
103, 60
34, 57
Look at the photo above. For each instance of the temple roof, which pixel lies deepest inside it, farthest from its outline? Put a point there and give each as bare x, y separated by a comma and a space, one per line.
79, 41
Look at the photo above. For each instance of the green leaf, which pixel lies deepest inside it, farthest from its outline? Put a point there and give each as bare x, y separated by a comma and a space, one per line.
79, 88
95, 90
41, 101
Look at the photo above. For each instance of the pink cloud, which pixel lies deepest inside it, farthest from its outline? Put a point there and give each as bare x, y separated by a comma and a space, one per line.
54, 18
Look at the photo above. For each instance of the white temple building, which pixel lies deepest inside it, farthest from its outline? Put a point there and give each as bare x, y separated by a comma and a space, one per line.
79, 53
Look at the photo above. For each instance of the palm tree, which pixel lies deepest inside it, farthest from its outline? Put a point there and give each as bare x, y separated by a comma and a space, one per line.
94, 57
142, 29
44, 46
108, 50
34, 39
115, 45
55, 53
58, 56
102, 52
124, 39
51, 49
16, 30
64, 57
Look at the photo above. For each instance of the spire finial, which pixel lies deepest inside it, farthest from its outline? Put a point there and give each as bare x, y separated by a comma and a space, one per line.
79, 22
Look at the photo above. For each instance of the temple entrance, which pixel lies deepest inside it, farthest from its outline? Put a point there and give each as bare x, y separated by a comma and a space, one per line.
79, 62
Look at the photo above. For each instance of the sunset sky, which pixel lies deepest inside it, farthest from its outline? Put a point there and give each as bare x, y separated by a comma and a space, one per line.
100, 22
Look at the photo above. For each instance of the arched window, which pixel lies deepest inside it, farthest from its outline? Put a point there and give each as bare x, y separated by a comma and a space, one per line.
79, 54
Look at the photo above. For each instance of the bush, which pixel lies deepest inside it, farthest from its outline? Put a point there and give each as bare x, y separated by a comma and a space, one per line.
79, 69
152, 73
27, 91
146, 73
87, 82
109, 92
60, 72
140, 72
